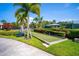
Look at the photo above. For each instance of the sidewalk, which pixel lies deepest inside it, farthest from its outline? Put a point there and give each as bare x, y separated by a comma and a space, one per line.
9, 47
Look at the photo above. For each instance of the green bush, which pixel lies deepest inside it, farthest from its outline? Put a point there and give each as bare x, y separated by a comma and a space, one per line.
73, 34
8, 33
51, 32
59, 29
62, 34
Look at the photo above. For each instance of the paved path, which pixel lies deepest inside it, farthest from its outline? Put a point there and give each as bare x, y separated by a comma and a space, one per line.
54, 42
9, 47
58, 41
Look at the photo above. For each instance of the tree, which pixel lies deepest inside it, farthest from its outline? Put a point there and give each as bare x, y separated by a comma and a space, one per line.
44, 22
54, 21
65, 24
38, 21
21, 20
3, 21
33, 25
27, 8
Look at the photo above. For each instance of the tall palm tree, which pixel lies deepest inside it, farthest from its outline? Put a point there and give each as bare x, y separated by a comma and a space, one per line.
27, 8
21, 20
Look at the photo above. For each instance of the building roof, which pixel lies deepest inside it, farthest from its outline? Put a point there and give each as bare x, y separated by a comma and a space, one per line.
53, 25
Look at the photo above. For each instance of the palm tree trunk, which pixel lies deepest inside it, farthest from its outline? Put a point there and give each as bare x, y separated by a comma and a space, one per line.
28, 29
41, 25
36, 24
22, 28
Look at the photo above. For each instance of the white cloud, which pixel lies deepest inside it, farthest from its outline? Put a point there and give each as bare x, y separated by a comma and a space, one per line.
30, 19
70, 20
48, 19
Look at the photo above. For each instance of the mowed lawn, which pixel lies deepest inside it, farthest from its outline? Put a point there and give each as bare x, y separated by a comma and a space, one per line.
66, 48
45, 37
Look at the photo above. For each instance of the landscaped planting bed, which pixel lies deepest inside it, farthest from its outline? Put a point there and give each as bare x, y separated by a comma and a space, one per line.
57, 29
45, 37
50, 32
68, 33
73, 33
9, 32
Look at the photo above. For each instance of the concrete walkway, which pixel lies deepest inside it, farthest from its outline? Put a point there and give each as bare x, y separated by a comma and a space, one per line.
9, 47
58, 41
54, 42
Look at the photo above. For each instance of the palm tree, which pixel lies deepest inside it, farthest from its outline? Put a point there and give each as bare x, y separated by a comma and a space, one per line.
38, 21
20, 20
27, 8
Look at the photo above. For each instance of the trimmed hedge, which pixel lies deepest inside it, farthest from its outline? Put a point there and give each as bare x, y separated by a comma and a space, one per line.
50, 32
68, 33
59, 29
73, 34
8, 33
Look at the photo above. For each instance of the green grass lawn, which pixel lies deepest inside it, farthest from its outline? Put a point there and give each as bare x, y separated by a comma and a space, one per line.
45, 37
66, 48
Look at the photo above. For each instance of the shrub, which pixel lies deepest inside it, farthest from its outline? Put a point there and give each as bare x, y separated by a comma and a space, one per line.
51, 32
8, 33
59, 29
62, 34
73, 34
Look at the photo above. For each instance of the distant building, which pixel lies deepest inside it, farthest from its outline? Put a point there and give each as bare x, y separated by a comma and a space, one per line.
1, 25
74, 25
52, 25
6, 26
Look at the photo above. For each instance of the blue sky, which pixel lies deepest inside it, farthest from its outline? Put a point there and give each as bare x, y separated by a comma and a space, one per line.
49, 11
